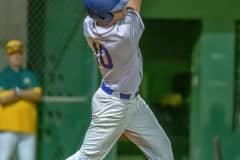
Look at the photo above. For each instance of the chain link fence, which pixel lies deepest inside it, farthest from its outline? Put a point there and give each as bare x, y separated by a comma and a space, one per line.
58, 53
54, 38
36, 19
53, 29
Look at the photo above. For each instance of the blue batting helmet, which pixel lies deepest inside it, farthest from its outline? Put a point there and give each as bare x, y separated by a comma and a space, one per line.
101, 10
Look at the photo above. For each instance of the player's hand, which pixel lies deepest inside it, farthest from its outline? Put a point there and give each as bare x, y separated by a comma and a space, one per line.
135, 4
7, 97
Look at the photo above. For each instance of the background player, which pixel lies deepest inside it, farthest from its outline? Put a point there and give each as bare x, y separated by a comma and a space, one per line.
19, 94
113, 30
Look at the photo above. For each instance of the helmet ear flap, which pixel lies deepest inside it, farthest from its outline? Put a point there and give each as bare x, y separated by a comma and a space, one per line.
107, 17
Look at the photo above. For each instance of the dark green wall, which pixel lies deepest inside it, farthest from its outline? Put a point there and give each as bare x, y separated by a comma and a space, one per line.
213, 98
225, 10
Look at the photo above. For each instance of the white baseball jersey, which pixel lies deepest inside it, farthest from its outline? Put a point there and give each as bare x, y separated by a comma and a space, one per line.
117, 51
120, 63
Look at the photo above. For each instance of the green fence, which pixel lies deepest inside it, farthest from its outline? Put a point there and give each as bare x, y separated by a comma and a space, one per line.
67, 71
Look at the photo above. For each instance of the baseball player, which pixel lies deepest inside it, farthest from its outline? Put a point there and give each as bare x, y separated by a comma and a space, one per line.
113, 30
20, 92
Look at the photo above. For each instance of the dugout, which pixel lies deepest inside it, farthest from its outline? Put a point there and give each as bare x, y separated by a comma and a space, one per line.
214, 100
167, 46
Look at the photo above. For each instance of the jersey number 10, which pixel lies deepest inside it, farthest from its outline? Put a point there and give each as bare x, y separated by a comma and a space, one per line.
103, 56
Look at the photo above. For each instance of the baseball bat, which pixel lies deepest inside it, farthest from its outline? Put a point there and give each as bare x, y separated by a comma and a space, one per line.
217, 149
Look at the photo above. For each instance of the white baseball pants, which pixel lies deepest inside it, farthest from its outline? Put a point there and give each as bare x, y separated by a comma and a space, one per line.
111, 117
23, 143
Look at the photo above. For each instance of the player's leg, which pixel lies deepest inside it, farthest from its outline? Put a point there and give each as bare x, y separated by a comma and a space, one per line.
145, 131
8, 143
26, 147
109, 120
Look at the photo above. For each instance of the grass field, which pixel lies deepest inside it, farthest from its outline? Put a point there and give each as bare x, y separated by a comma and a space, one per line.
130, 158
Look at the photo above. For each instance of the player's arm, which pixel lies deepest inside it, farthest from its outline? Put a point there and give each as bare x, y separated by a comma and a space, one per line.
135, 4
11, 96
34, 94
7, 97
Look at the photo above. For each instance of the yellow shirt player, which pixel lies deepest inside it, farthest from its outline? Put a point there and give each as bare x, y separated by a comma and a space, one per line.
19, 93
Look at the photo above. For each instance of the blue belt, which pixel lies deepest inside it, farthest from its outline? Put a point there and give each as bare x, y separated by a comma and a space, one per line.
109, 91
